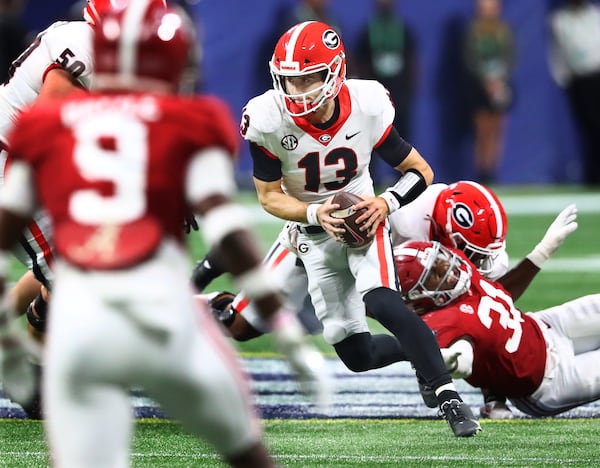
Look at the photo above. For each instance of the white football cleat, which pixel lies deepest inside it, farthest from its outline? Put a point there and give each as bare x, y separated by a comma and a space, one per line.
495, 410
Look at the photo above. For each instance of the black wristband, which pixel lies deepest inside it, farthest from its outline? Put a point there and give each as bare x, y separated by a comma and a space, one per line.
37, 312
409, 187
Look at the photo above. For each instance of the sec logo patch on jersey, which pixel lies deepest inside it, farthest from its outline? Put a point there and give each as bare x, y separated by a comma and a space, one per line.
289, 142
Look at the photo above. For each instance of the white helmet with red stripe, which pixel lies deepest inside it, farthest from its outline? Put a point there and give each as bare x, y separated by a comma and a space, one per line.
469, 216
142, 45
307, 48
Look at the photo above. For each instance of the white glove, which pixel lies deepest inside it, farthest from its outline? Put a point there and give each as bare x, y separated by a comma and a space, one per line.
450, 358
304, 359
17, 352
564, 224
459, 359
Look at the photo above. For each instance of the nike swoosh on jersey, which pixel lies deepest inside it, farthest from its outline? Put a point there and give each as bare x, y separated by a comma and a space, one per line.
352, 136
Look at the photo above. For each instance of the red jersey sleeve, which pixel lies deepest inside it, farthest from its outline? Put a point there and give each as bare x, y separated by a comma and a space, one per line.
209, 122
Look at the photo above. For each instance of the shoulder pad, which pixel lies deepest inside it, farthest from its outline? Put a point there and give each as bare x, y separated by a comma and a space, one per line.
262, 115
370, 95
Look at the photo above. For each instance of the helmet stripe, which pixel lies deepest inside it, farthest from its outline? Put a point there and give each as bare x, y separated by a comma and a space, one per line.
132, 23
493, 205
291, 46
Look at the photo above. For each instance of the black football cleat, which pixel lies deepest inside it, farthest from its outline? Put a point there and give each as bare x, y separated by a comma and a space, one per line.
460, 417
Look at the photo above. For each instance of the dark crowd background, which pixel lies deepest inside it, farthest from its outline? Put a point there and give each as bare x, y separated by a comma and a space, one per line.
541, 145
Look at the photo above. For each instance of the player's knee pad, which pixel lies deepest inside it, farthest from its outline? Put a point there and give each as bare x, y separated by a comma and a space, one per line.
37, 313
334, 333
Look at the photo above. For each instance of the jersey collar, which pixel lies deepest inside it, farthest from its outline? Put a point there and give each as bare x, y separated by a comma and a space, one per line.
324, 136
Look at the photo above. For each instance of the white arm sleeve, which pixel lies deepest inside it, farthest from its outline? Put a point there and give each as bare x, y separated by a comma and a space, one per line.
210, 173
17, 193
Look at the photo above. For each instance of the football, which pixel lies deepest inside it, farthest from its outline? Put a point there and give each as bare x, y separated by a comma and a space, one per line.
353, 237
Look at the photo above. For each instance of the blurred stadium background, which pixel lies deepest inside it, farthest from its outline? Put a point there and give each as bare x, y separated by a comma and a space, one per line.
541, 144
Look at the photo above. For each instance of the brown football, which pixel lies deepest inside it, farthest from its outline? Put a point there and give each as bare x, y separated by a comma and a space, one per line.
353, 237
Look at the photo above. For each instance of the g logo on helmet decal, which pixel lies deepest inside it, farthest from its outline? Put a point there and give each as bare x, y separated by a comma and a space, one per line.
331, 39
463, 215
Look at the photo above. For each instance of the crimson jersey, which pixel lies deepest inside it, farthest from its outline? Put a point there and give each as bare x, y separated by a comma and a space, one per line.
111, 170
508, 346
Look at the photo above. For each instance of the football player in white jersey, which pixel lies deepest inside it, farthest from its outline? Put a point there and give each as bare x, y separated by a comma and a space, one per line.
464, 214
57, 62
311, 137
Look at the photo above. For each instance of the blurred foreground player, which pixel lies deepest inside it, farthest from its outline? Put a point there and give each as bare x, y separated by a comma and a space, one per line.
57, 63
117, 170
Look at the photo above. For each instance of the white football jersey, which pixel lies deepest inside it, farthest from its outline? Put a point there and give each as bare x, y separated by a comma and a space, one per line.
317, 163
64, 44
412, 221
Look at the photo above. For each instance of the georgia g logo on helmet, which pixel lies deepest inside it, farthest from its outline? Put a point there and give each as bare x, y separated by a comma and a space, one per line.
463, 215
331, 39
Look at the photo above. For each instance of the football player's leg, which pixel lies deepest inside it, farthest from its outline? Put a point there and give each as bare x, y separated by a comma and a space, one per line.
37, 315
289, 276
34, 249
24, 291
222, 308
208, 391
578, 320
363, 351
88, 422
375, 279
207, 270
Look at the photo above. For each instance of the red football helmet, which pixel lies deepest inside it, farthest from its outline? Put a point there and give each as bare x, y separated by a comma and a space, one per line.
306, 48
431, 275
142, 45
468, 216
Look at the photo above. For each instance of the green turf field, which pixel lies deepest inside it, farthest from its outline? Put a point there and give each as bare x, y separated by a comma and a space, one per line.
361, 443
408, 442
